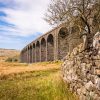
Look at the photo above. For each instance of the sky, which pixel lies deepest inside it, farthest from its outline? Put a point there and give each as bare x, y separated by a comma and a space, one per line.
21, 21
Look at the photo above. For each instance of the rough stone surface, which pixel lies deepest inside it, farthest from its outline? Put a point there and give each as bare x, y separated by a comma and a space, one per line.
52, 46
81, 70
96, 41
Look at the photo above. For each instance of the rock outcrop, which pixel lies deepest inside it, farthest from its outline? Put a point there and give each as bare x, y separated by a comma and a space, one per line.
81, 70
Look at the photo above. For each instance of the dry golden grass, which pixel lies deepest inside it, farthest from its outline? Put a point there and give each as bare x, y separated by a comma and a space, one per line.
39, 81
11, 68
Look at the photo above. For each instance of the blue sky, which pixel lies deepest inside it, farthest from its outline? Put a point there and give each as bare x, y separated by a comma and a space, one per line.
21, 21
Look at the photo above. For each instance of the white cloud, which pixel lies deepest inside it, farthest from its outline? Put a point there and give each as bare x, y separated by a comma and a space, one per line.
5, 39
27, 16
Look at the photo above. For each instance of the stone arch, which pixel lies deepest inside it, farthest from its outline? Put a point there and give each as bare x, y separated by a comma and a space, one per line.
25, 55
74, 38
63, 46
37, 51
33, 59
43, 50
74, 29
30, 53
22, 54
50, 47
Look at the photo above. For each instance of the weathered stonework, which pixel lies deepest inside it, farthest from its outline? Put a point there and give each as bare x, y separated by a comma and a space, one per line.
54, 45
81, 70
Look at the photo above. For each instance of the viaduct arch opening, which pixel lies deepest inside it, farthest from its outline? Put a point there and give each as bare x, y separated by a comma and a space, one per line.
74, 38
30, 54
25, 55
43, 50
38, 51
50, 48
63, 46
33, 57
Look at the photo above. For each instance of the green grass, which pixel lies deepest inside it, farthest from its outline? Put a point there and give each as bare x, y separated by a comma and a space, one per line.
35, 85
49, 62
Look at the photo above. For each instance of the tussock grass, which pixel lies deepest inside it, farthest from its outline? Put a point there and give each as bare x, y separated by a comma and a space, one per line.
39, 85
12, 64
7, 68
57, 63
38, 81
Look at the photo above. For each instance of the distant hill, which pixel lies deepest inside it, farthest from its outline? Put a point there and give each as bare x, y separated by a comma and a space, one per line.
6, 53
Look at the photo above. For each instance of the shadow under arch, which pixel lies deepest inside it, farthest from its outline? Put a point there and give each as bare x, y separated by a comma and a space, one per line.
30, 54
33, 59
74, 38
43, 50
25, 51
37, 51
63, 45
50, 48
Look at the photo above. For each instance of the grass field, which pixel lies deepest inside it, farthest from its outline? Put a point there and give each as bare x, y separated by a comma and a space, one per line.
40, 81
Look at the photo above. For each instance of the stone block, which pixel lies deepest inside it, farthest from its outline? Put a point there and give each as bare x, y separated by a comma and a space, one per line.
97, 72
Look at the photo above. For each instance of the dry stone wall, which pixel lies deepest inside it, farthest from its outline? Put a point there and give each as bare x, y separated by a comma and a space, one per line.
81, 70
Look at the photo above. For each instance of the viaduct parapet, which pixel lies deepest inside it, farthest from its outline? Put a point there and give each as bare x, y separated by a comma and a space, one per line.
52, 46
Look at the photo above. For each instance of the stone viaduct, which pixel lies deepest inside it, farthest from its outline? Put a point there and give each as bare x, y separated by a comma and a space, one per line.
52, 46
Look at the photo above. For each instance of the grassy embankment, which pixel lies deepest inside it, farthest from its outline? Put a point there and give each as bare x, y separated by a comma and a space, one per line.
41, 81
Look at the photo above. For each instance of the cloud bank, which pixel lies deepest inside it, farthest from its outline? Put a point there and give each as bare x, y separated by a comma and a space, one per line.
21, 21
25, 17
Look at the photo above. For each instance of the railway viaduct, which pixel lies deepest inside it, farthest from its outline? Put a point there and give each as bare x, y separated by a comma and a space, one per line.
52, 46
